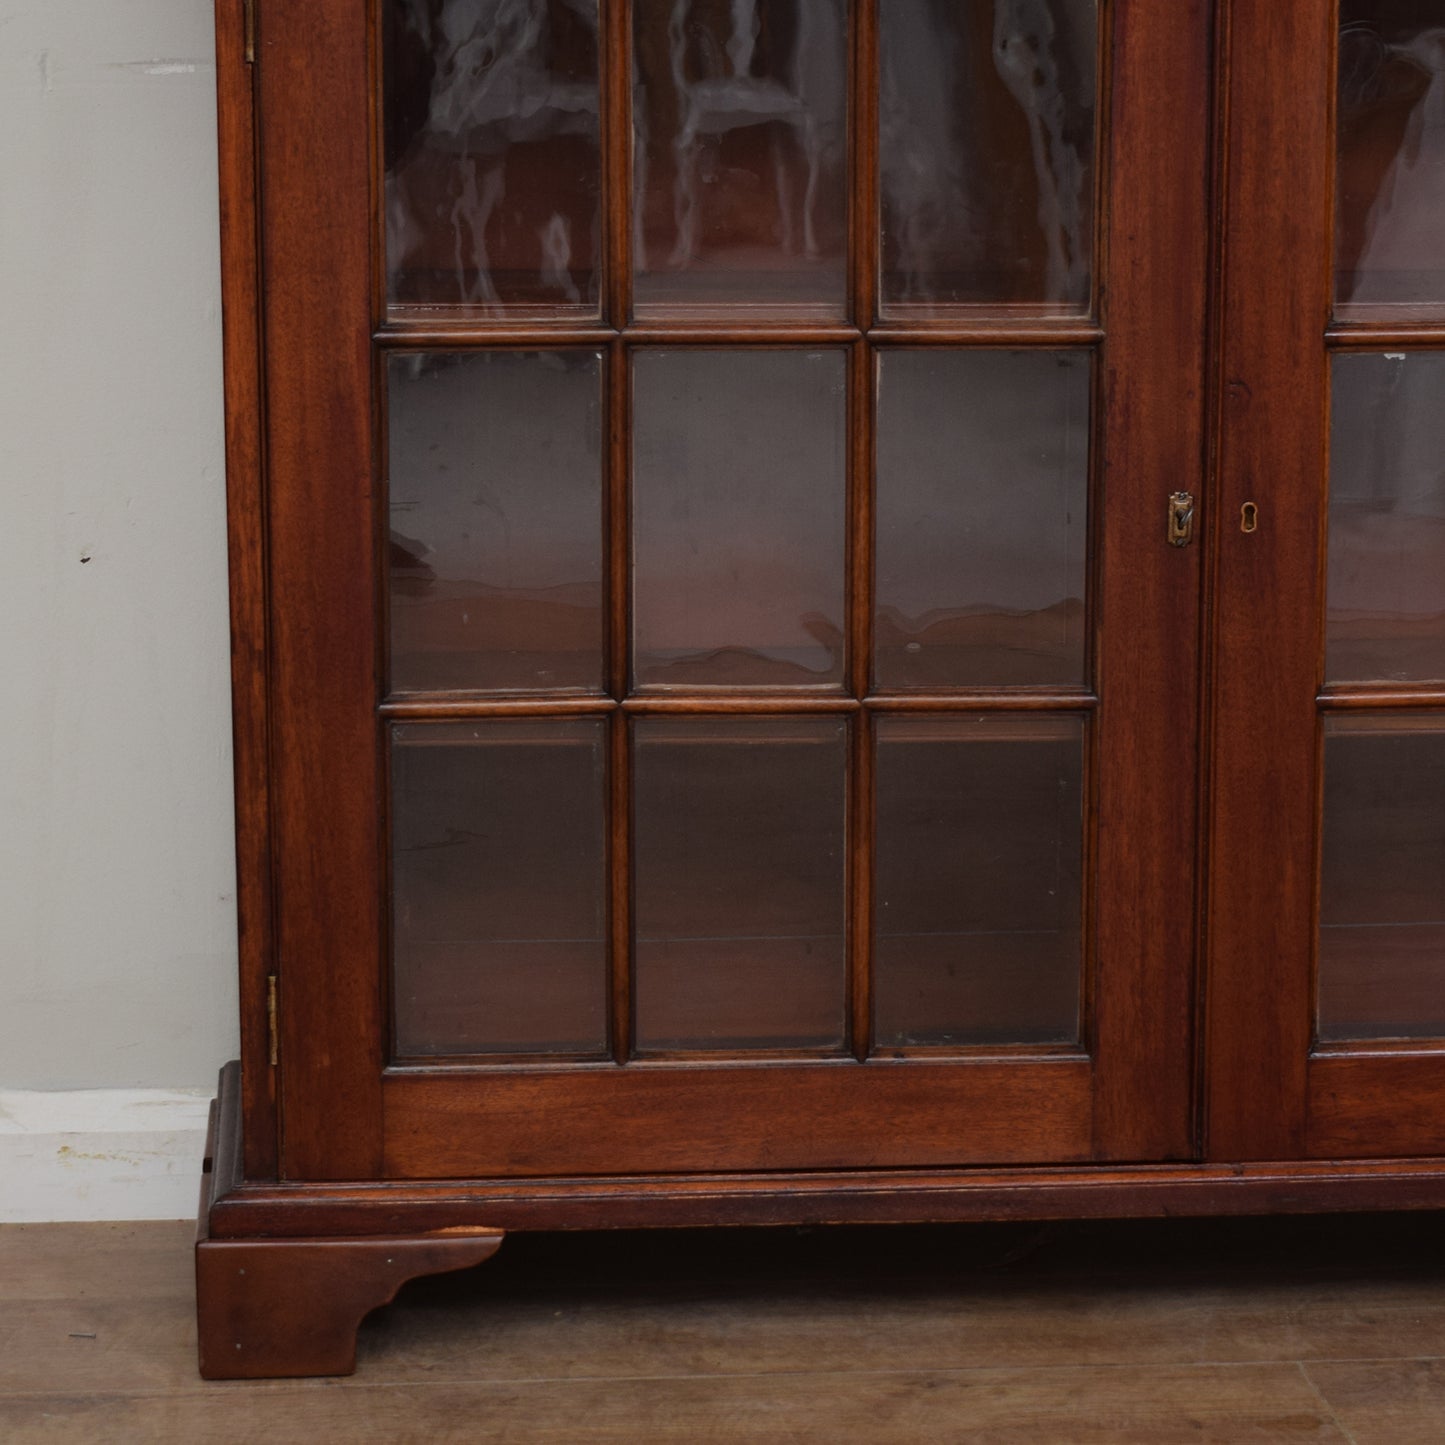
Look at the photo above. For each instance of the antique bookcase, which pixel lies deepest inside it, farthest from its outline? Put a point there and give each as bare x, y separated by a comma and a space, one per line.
839, 615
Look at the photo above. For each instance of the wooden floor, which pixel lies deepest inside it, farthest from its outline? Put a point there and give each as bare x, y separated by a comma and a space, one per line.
1229, 1331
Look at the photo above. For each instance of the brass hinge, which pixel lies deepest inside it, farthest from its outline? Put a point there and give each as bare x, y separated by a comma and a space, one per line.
272, 1033
249, 21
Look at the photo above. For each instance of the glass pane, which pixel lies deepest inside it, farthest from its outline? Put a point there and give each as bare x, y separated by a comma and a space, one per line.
740, 176
495, 496
982, 517
493, 157
1390, 157
1386, 594
498, 854
1382, 895
978, 886
739, 497
739, 883
986, 154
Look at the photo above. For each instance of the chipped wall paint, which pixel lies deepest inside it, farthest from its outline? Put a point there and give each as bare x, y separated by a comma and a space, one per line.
117, 921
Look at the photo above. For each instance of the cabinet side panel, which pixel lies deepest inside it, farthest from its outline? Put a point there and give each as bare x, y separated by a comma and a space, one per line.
314, 94
245, 501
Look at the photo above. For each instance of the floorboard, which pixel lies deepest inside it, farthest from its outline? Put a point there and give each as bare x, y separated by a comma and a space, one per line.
1230, 1330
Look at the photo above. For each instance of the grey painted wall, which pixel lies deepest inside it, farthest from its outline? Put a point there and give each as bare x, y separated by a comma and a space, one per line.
117, 909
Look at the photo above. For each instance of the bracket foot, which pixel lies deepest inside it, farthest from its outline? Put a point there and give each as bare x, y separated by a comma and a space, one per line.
289, 1307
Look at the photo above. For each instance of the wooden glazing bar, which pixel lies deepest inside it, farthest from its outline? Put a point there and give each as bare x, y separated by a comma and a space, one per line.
860, 520
542, 335
861, 854
863, 141
619, 889
1360, 698
1378, 336
725, 704
739, 333
441, 707
618, 519
617, 163
1375, 1048
995, 700
419, 1064
730, 704
513, 336
969, 1053
860, 675
618, 522
998, 331
723, 1058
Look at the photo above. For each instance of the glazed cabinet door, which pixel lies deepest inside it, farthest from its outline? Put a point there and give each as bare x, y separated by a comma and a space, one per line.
1327, 968
733, 649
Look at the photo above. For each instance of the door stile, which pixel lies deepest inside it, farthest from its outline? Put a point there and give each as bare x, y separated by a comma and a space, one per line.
316, 163
1156, 271
1268, 597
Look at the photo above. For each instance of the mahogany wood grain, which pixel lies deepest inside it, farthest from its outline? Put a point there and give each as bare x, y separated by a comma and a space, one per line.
246, 512
438, 707
864, 211
617, 143
313, 67
1155, 274
431, 335
727, 1116
426, 333
289, 1307
241, 1209
371, 1163
859, 810
1377, 1103
1371, 699
1379, 336
320, 304
1267, 592
285, 1308
836, 1197
987, 331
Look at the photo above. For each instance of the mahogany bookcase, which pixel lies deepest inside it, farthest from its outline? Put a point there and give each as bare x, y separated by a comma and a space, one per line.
838, 617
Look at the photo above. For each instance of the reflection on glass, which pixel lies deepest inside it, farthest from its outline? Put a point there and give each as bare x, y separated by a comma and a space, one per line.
986, 137
1386, 594
978, 888
493, 159
1382, 894
982, 518
498, 879
739, 497
1390, 157
739, 883
740, 172
495, 496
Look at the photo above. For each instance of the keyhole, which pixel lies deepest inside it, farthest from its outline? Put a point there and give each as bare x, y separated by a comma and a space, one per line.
1248, 517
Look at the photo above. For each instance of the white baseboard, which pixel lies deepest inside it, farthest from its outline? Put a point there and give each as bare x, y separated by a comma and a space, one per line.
101, 1154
